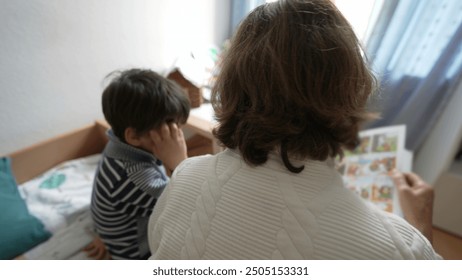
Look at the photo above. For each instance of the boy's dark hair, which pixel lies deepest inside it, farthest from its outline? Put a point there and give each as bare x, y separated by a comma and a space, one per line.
143, 100
294, 77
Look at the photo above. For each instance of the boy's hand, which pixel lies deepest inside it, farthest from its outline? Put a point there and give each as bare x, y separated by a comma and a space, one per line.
169, 145
416, 199
96, 250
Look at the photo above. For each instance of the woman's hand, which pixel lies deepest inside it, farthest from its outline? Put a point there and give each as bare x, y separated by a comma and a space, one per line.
169, 145
416, 200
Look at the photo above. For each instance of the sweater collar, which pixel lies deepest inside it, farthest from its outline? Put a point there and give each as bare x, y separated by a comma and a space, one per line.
120, 150
275, 160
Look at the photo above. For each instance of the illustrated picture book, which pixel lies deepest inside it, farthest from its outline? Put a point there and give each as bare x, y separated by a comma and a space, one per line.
366, 170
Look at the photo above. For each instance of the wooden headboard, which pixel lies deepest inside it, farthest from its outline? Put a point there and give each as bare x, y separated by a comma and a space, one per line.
34, 160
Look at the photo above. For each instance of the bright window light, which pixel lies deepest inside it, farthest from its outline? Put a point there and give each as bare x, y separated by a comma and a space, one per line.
360, 13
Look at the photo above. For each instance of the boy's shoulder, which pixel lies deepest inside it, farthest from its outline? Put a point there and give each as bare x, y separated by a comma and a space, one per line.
126, 168
111, 167
116, 165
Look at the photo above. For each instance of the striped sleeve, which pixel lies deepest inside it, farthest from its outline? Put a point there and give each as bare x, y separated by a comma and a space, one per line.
137, 193
120, 209
149, 179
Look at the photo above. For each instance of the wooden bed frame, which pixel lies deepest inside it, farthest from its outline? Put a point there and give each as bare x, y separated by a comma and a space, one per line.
34, 160
91, 139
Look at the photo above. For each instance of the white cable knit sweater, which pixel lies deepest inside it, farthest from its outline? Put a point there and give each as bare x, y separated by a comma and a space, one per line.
218, 207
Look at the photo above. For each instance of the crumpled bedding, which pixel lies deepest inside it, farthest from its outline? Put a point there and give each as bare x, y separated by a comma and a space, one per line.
67, 242
61, 198
58, 194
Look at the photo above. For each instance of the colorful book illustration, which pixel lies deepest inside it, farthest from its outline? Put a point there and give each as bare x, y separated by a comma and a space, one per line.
366, 170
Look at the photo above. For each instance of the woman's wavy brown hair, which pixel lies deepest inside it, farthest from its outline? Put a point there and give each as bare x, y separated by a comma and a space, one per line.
293, 78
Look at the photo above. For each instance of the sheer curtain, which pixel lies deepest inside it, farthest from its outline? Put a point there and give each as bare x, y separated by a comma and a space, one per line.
415, 48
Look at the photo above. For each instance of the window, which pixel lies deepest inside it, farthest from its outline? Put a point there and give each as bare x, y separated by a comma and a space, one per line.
360, 14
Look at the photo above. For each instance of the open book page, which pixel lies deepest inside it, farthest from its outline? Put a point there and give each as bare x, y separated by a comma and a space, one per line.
366, 170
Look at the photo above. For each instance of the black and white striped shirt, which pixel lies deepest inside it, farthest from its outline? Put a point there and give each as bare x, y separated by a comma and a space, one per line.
127, 184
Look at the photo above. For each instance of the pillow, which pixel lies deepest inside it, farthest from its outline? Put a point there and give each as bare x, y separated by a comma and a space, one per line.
20, 230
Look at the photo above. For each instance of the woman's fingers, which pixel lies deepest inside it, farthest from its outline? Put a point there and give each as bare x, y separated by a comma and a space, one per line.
399, 180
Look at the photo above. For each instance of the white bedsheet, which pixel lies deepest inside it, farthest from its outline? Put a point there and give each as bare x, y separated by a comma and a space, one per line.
67, 242
56, 196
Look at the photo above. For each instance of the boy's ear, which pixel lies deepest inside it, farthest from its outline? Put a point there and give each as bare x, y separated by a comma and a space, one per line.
131, 137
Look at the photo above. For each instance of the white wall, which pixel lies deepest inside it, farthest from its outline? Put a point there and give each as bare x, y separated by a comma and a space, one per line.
439, 149
54, 55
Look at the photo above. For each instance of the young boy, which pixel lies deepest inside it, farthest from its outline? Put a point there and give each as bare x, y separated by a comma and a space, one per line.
143, 110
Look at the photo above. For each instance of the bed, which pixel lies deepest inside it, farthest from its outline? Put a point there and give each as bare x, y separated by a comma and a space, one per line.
45, 193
